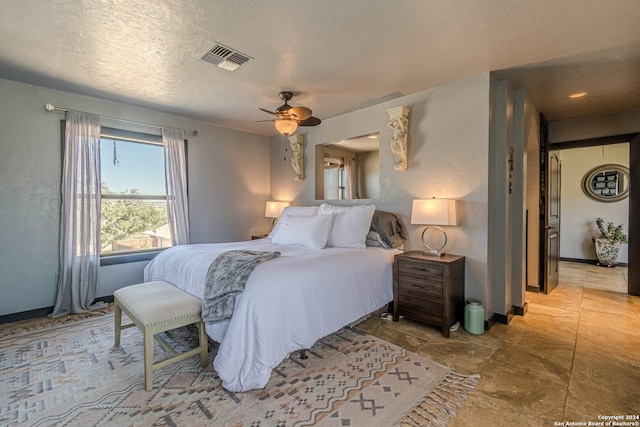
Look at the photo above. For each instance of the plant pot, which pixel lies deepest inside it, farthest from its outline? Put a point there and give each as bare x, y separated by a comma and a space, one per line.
607, 251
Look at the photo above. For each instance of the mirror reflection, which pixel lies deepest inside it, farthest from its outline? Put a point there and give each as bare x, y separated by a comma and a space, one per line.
607, 183
348, 169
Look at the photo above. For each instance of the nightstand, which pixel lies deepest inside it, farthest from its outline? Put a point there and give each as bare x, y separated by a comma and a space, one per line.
429, 289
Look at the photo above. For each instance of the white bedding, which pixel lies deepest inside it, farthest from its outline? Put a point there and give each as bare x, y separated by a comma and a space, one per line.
288, 303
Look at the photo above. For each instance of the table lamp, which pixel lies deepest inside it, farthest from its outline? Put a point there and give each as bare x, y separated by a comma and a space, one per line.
274, 210
433, 212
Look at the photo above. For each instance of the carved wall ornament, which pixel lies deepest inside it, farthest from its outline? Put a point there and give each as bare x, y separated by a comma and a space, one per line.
399, 124
296, 142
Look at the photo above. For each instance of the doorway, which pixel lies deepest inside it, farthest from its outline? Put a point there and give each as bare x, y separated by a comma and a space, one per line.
584, 214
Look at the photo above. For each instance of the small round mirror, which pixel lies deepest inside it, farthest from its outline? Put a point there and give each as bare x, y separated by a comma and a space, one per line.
607, 183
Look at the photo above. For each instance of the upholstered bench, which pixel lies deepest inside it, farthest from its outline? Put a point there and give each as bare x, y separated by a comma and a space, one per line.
156, 307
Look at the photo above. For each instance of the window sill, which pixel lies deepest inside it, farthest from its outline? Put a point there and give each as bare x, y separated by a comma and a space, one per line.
127, 258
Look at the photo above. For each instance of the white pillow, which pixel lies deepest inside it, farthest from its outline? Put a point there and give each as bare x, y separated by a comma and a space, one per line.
308, 231
294, 210
350, 225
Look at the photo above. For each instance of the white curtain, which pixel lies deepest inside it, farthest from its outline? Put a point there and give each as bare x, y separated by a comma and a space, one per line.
175, 165
350, 177
80, 219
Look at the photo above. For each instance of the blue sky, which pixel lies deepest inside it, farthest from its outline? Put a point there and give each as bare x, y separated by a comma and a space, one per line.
141, 167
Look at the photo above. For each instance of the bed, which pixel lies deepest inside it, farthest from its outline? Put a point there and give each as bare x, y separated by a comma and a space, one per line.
291, 301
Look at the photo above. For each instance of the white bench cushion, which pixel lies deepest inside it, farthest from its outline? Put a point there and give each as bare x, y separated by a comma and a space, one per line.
152, 303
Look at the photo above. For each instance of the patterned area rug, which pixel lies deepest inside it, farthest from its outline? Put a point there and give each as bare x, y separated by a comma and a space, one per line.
71, 374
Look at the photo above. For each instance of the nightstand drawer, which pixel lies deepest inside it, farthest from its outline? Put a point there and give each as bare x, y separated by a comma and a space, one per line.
433, 271
415, 287
421, 311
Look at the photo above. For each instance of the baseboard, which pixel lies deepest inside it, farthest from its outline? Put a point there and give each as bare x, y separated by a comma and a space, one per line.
39, 312
503, 319
521, 311
107, 299
535, 289
25, 315
590, 261
490, 322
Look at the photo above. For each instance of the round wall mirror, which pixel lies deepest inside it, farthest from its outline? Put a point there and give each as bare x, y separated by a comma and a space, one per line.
607, 183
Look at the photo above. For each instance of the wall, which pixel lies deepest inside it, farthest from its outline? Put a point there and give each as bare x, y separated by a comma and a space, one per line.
595, 126
448, 157
525, 184
500, 209
513, 144
578, 212
531, 141
227, 198
369, 174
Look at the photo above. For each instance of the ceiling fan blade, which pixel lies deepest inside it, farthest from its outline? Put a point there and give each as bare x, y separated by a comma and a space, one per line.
311, 121
260, 121
267, 111
299, 113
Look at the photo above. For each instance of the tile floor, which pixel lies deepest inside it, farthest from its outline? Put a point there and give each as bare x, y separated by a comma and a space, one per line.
574, 356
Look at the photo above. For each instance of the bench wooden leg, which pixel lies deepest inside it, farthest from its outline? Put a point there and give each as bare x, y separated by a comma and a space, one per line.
148, 360
204, 345
118, 323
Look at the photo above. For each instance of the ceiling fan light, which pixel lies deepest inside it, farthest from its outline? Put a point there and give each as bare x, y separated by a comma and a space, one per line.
286, 126
299, 113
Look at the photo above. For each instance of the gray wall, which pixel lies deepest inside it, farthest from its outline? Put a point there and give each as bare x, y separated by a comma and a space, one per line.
595, 126
499, 233
531, 130
369, 174
228, 187
448, 158
232, 174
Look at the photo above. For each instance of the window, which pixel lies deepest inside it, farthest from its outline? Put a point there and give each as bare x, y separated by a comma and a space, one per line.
134, 211
334, 179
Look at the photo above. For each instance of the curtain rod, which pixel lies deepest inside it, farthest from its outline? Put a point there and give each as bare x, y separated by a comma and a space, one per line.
51, 107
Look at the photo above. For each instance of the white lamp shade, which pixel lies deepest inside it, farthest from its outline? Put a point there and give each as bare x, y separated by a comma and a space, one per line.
274, 209
433, 212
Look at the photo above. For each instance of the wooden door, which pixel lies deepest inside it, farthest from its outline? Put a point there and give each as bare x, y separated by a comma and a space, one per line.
549, 212
552, 225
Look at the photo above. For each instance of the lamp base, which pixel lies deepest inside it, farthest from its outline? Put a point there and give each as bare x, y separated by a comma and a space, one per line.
433, 252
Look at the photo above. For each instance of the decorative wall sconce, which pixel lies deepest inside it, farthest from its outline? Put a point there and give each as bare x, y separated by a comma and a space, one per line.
399, 123
296, 142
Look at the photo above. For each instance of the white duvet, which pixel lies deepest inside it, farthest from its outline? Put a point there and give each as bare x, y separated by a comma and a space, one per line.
288, 304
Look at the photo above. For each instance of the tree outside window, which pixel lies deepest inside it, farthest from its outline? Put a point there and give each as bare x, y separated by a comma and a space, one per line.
134, 212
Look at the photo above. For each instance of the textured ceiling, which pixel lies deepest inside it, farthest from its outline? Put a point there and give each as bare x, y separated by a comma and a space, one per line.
336, 55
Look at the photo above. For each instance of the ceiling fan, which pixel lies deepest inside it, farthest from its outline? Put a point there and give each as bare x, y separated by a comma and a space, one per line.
288, 118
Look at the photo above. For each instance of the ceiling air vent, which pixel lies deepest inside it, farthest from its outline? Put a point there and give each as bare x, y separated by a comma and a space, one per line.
225, 57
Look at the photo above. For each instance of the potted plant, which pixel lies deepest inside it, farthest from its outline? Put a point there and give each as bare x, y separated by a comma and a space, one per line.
608, 242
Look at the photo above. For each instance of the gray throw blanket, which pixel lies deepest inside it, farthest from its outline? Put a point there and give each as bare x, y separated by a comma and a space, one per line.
226, 278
